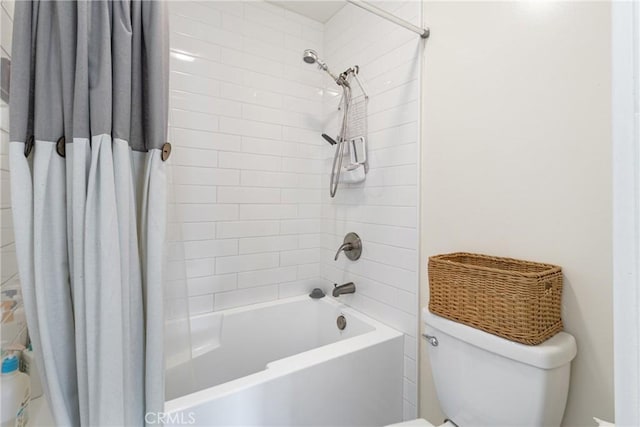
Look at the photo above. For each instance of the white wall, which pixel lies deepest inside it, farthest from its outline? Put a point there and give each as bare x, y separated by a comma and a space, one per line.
625, 21
516, 162
384, 209
246, 115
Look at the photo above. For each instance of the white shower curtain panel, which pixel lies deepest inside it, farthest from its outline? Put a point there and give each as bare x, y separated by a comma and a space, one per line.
90, 210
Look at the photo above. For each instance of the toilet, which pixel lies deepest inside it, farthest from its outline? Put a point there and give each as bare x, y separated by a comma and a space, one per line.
483, 380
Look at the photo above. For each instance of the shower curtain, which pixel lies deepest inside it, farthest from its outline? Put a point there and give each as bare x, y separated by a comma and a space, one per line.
88, 119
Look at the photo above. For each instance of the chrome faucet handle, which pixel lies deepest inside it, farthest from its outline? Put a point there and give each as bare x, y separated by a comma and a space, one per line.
431, 339
351, 246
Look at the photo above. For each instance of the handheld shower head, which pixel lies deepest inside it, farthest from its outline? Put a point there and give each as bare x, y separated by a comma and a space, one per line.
310, 56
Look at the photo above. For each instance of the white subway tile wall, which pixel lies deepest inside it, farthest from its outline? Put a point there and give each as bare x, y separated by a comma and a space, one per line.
384, 209
246, 115
13, 324
251, 171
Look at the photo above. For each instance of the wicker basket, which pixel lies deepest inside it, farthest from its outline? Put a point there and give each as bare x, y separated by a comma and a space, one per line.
517, 300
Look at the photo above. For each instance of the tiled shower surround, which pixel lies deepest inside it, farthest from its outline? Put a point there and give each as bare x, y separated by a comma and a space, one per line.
382, 210
246, 114
14, 328
251, 171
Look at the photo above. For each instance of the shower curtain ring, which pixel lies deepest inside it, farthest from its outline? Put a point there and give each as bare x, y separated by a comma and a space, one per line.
166, 151
60, 146
28, 146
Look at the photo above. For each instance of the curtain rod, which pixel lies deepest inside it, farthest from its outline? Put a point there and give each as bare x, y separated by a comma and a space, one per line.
423, 32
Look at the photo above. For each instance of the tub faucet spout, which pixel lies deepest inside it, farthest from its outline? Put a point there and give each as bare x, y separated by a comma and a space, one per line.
347, 288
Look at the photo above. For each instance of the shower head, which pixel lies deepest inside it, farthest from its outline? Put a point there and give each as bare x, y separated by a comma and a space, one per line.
310, 56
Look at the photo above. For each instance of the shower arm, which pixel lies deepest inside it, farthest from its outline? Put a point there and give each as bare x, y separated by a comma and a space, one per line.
324, 67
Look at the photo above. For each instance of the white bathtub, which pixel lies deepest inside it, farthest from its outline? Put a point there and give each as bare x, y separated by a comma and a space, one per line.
287, 363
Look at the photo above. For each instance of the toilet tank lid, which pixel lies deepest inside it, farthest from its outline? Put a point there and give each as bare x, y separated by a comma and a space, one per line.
554, 352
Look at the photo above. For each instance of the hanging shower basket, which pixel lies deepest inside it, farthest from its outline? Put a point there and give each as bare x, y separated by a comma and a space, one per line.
514, 299
356, 129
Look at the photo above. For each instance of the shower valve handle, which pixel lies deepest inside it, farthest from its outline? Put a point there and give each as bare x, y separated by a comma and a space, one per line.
352, 247
343, 247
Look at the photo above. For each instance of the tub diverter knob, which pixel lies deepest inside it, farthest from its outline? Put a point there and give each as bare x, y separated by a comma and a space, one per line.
341, 321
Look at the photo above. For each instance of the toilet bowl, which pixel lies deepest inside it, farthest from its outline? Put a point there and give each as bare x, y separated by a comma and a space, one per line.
484, 380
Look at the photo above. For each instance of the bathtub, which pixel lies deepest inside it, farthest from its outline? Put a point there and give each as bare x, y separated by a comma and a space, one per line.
287, 363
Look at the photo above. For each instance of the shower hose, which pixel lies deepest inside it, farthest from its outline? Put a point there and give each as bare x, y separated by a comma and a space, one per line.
342, 137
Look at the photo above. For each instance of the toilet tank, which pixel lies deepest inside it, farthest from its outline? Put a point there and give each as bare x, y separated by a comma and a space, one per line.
483, 380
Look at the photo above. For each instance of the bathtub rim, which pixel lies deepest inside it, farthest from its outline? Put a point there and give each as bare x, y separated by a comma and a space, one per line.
287, 365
